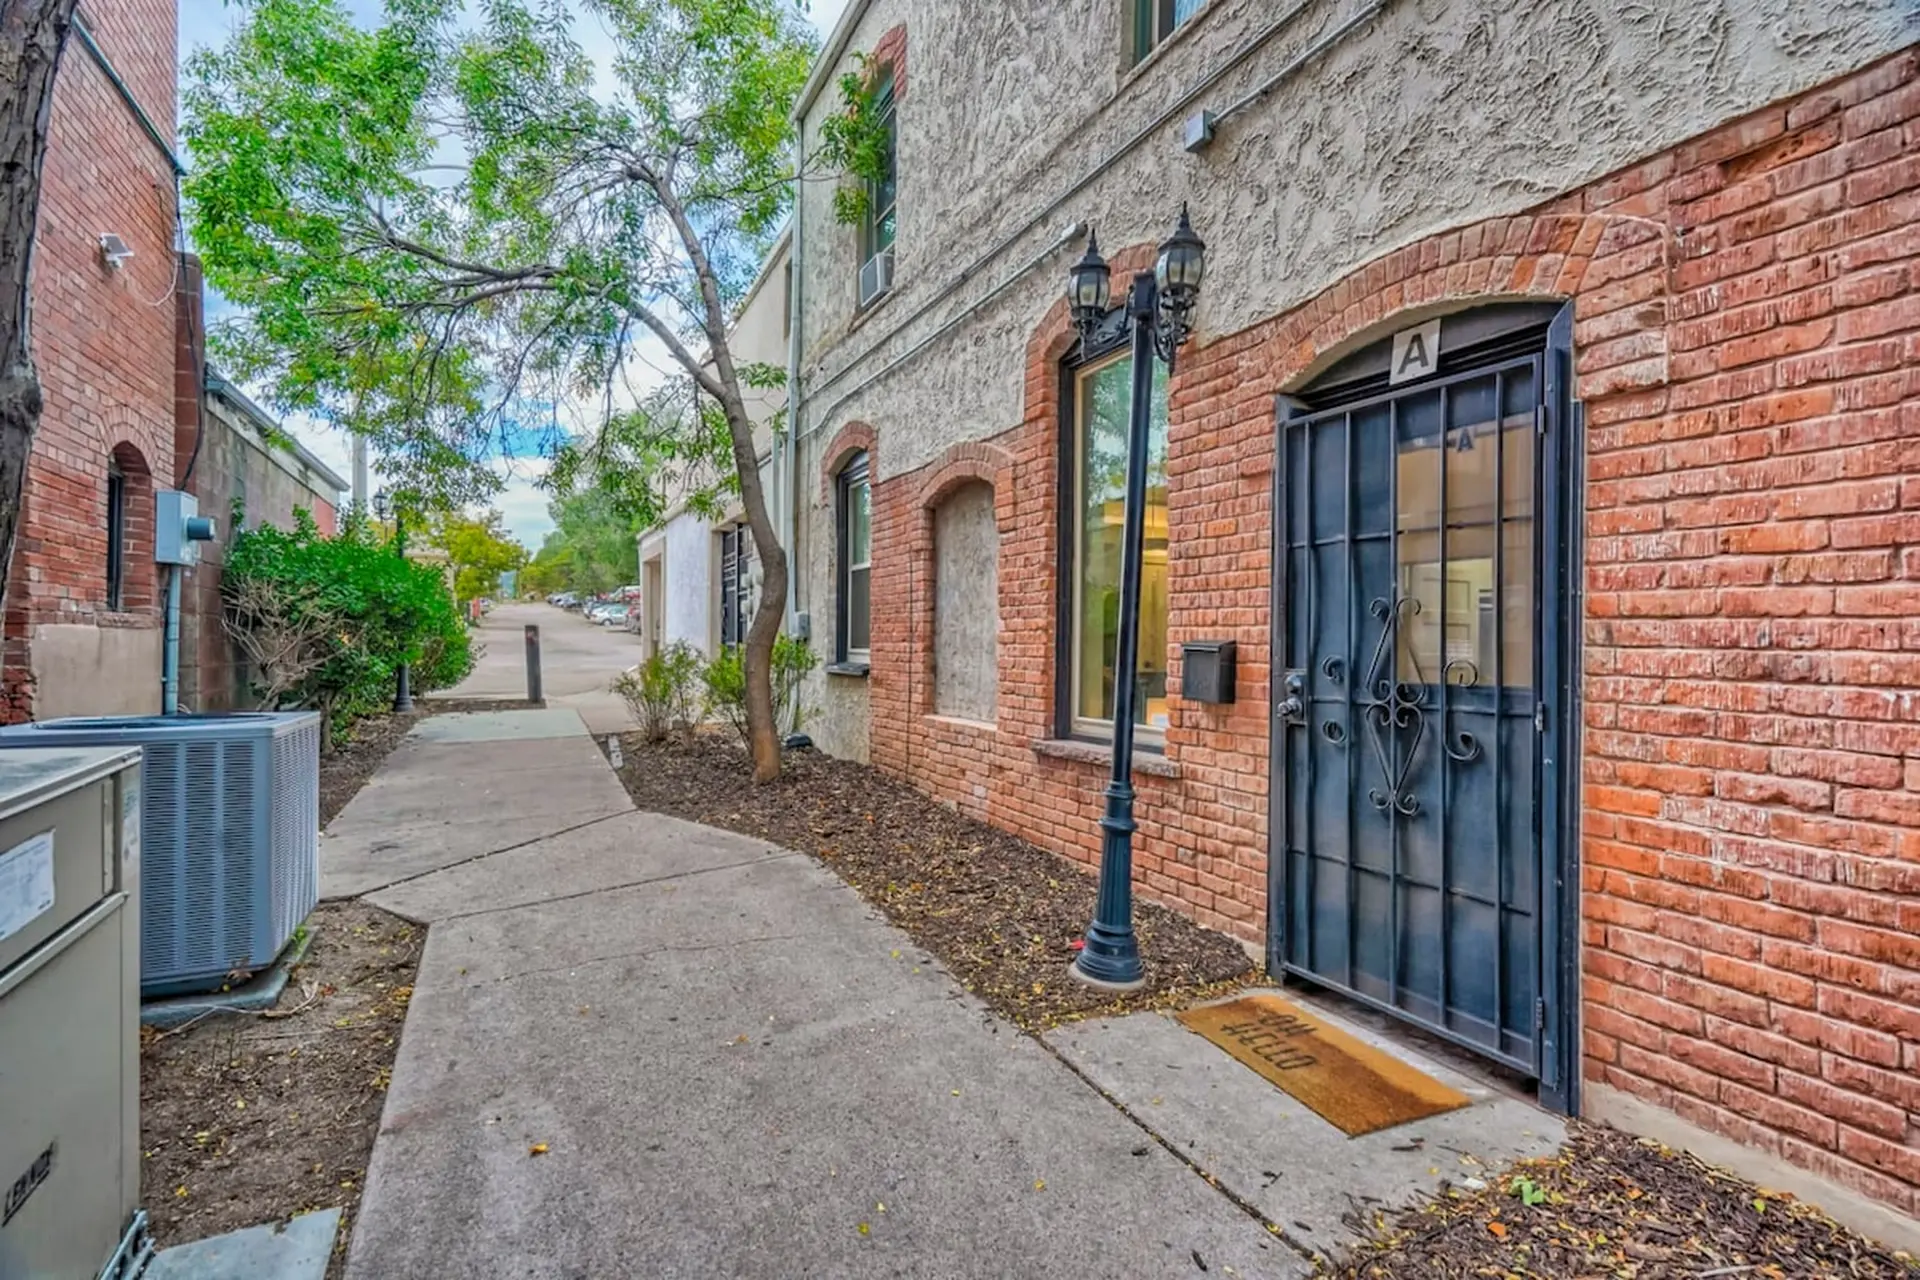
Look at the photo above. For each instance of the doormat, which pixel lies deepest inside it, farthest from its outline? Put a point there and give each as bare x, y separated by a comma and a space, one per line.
1351, 1084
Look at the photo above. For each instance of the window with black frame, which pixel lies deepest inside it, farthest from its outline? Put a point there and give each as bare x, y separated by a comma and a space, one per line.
877, 227
116, 534
855, 502
1094, 477
1155, 20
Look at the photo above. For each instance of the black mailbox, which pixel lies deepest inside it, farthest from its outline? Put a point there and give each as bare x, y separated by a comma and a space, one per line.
1206, 670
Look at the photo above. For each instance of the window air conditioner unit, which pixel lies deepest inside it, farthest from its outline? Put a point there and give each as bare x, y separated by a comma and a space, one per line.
876, 277
229, 835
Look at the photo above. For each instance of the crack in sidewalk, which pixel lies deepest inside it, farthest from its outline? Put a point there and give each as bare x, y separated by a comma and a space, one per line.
640, 953
475, 857
613, 888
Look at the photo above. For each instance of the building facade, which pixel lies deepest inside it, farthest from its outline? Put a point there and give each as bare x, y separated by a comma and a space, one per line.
83, 616
1547, 451
699, 577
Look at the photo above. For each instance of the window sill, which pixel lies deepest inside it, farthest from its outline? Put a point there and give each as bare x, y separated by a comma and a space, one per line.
865, 311
851, 670
1150, 763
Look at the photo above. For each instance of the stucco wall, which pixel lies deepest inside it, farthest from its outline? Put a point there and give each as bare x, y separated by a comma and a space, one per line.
1434, 113
83, 670
966, 609
688, 565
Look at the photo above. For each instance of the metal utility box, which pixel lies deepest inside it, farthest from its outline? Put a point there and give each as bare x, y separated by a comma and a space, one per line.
1206, 670
178, 527
70, 1014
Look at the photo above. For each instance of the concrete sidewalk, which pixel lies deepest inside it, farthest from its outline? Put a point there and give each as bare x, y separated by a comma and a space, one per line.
642, 1047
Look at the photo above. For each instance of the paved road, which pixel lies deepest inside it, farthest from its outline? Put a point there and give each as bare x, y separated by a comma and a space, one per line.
641, 1047
578, 660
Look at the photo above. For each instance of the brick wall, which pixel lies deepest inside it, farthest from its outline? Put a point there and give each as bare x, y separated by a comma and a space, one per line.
103, 342
1748, 351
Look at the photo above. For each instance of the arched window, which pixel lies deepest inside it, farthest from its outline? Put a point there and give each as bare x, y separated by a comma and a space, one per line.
854, 492
116, 533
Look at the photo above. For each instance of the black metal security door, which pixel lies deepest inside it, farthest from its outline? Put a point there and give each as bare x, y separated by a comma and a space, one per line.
1415, 591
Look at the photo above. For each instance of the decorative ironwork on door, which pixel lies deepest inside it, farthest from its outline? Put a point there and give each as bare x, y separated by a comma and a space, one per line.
1410, 580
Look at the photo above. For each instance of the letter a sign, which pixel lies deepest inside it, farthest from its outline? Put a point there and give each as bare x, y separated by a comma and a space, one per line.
1416, 353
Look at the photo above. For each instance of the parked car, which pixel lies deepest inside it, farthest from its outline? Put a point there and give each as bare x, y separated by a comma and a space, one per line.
612, 615
636, 618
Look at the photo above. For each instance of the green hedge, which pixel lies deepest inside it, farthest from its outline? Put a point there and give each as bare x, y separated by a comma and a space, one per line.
325, 622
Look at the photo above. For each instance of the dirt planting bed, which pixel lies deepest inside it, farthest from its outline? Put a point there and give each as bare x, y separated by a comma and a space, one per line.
1615, 1207
1002, 915
248, 1118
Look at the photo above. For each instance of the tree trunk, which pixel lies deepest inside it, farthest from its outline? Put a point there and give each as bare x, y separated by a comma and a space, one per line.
33, 34
763, 728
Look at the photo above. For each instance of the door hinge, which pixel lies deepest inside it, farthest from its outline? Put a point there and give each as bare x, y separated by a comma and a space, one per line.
1540, 419
1539, 717
1539, 1016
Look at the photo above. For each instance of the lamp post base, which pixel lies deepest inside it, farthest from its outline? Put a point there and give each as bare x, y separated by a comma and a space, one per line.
1118, 987
403, 692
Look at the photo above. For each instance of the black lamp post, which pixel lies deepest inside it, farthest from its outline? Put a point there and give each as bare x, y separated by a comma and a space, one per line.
1159, 306
403, 685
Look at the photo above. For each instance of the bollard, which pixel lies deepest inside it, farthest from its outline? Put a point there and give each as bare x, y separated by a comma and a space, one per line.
533, 666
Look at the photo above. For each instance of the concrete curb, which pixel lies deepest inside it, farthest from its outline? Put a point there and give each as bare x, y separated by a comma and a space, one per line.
259, 993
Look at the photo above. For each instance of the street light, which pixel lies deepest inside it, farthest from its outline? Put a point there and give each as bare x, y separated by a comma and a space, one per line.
1159, 306
403, 690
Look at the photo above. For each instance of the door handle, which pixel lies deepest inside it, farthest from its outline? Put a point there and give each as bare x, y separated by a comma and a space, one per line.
1294, 705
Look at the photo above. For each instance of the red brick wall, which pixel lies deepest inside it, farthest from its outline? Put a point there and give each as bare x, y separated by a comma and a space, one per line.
103, 340
1748, 351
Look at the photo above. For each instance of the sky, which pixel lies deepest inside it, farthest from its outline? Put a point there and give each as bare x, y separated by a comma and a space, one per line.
522, 503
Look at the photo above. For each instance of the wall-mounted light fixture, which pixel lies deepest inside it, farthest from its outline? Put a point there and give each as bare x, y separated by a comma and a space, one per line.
114, 251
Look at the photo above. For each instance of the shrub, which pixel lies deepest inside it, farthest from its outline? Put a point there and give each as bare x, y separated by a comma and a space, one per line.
660, 691
723, 682
325, 622
793, 661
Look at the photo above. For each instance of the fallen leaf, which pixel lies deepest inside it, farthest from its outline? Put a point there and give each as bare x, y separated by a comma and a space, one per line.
537, 1149
863, 1228
1039, 1184
1498, 1229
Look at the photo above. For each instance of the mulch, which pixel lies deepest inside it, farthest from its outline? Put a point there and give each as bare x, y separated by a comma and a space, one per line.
1001, 914
255, 1117
1613, 1207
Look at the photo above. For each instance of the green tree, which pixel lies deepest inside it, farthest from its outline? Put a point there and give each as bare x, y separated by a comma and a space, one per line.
479, 548
593, 546
425, 224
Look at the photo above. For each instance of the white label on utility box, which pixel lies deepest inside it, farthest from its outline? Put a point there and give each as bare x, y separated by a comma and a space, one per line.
26, 883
